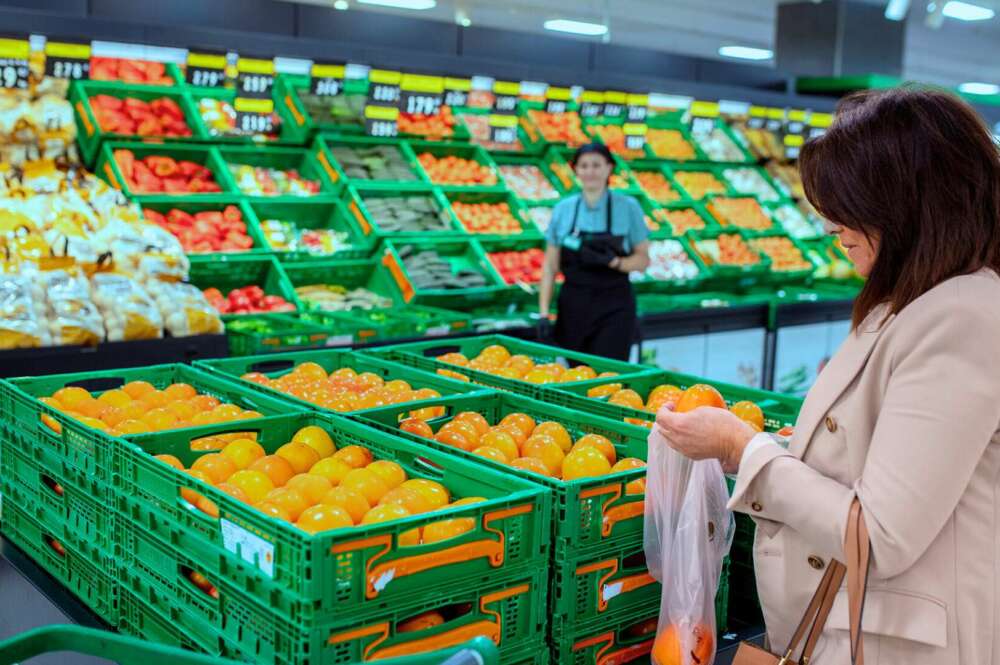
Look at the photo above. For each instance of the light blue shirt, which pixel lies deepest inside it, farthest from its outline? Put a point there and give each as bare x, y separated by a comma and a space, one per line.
626, 219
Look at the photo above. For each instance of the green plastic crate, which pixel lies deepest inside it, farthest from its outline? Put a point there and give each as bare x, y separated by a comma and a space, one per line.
364, 325
528, 144
664, 121
464, 151
723, 126
293, 91
592, 127
645, 283
423, 355
358, 274
171, 70
254, 334
779, 410
513, 244
528, 230
538, 162
709, 203
786, 277
329, 146
289, 131
774, 197
657, 168
278, 364
461, 255
730, 277
659, 215
434, 321
312, 213
534, 132
339, 575
164, 204
107, 168
356, 195
233, 271
89, 134
676, 170
590, 513
302, 160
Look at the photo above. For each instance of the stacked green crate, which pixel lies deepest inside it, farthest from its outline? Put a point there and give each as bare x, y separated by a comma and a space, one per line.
442, 273
434, 321
246, 166
365, 160
717, 142
309, 227
227, 272
271, 333
740, 269
342, 114
459, 199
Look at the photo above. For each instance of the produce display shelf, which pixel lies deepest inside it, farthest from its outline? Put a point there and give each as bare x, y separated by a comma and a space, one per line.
463, 151
356, 196
281, 158
656, 167
458, 195
292, 89
529, 145
289, 131
790, 278
342, 276
328, 146
192, 206
642, 283
670, 122
313, 213
695, 207
729, 276
111, 171
362, 326
234, 271
270, 333
720, 124
434, 321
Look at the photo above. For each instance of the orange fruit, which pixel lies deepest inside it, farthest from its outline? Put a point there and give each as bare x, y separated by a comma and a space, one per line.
226, 412
468, 501
136, 389
351, 501
475, 419
557, 432
272, 510
606, 390
365, 483
492, 453
466, 429
203, 402
502, 441
243, 452
698, 395
90, 408
115, 397
299, 455
71, 396
543, 448
637, 486
160, 419
334, 470
95, 423
749, 412
397, 386
369, 380
523, 421
668, 647
256, 484
170, 460
190, 495
509, 373
586, 371
422, 621
312, 487
539, 377
316, 438
234, 491
276, 468
207, 506
520, 363
323, 517
453, 375
178, 391
627, 397
212, 443
132, 411
343, 373
435, 492
519, 435
355, 457
408, 497
532, 464
451, 437
310, 371
586, 462
391, 473
182, 409
627, 464
216, 466
601, 443
446, 529
453, 359
288, 500
153, 400
388, 513
664, 390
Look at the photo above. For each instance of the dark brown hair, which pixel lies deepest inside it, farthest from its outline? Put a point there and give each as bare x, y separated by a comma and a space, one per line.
916, 169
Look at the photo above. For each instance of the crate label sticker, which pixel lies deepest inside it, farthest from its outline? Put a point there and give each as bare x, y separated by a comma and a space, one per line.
339, 340
249, 547
438, 331
610, 591
383, 580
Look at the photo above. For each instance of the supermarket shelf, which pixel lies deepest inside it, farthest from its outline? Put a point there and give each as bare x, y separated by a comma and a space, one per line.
709, 320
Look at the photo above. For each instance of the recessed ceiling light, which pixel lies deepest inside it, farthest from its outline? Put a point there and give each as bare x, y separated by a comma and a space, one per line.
462, 18
896, 9
746, 52
965, 11
402, 4
576, 27
341, 5
977, 88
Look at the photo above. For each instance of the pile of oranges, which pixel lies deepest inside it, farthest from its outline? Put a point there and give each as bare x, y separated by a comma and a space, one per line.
310, 483
345, 389
519, 441
138, 407
697, 395
497, 360
452, 170
559, 127
433, 127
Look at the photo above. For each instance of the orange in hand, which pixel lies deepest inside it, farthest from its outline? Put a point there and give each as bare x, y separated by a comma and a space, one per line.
699, 394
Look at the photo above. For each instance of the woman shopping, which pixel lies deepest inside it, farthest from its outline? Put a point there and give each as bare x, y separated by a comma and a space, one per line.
596, 238
905, 416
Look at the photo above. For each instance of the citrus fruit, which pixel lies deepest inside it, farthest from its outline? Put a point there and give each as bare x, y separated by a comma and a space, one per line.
435, 492
334, 470
182, 409
159, 419
698, 395
310, 371
627, 464
299, 455
170, 460
502, 441
475, 419
136, 389
492, 453
586, 371
317, 439
553, 369
627, 397
557, 432
343, 373
453, 375
71, 396
605, 390
256, 484
408, 497
95, 423
749, 412
350, 500
539, 377
522, 420
89, 407
420, 622
153, 400
467, 430
664, 390
445, 529
276, 468
204, 402
601, 443
288, 500
190, 495
520, 436
207, 506
355, 457
532, 464
115, 397
388, 513
453, 359
216, 466
243, 452
272, 510
365, 483
323, 517
212, 443
234, 491
455, 438
543, 448
179, 391
669, 644
520, 362
586, 462
392, 474
468, 501
310, 486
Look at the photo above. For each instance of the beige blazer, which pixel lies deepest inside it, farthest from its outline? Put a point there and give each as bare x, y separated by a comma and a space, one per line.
905, 417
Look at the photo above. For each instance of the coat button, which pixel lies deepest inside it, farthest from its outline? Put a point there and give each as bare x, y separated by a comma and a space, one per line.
756, 507
831, 425
816, 562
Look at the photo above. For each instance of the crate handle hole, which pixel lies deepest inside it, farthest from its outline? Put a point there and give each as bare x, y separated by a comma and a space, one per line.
637, 560
270, 366
199, 582
53, 486
55, 545
99, 384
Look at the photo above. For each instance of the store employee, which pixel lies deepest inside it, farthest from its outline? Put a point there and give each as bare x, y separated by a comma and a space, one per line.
596, 238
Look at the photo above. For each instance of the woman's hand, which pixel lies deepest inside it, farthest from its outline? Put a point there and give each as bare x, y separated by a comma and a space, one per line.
706, 433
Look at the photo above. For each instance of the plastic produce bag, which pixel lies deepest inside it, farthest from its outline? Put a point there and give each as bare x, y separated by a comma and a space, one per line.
73, 318
129, 313
688, 531
22, 317
184, 309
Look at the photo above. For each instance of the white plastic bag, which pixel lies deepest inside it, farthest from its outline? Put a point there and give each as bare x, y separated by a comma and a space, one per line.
688, 531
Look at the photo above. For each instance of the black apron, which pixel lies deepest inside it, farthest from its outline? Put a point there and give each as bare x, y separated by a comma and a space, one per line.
597, 310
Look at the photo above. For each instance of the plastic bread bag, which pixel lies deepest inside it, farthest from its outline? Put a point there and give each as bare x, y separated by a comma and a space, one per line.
184, 309
129, 313
687, 534
22, 317
73, 318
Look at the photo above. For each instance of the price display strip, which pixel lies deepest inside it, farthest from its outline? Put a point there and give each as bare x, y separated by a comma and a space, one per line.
703, 116
382, 107
635, 135
505, 97
382, 121
326, 79
254, 78
254, 116
420, 94
614, 105
557, 99
636, 108
775, 120
793, 144
67, 58
503, 128
14, 53
456, 91
206, 68
591, 104
818, 123
758, 117
796, 122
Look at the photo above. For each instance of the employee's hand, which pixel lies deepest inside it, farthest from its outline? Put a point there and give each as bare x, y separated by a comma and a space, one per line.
597, 256
706, 433
543, 327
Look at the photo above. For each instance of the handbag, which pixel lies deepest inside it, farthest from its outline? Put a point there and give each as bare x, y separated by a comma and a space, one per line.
857, 548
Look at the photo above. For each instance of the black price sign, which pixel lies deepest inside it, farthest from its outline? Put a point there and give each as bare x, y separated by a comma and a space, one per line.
505, 97
383, 88
421, 95
254, 116
327, 79
775, 120
206, 69
67, 59
614, 105
381, 121
14, 52
591, 104
637, 108
254, 78
503, 128
456, 91
635, 135
703, 116
557, 99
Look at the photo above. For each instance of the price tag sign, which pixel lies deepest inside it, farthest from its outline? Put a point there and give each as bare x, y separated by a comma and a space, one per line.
703, 116
636, 108
381, 121
326, 79
818, 122
614, 104
796, 122
758, 117
793, 144
557, 99
635, 135
421, 95
505, 97
206, 69
254, 78
14, 52
775, 119
503, 128
383, 88
591, 104
67, 59
254, 116
456, 91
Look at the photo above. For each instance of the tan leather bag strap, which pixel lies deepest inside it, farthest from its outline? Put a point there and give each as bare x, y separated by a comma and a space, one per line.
837, 578
857, 549
828, 585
